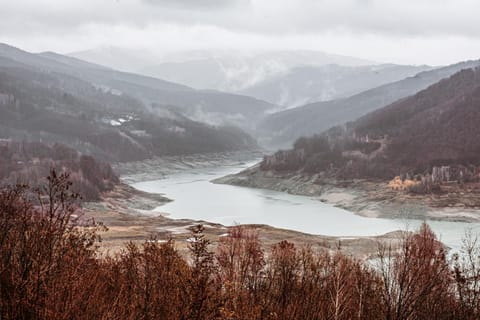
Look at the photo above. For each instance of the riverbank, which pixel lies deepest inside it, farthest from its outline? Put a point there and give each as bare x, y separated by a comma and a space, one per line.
126, 213
366, 198
129, 216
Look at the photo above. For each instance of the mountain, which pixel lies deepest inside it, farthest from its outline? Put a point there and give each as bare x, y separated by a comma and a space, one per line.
429, 138
282, 128
217, 108
57, 99
307, 84
224, 70
437, 126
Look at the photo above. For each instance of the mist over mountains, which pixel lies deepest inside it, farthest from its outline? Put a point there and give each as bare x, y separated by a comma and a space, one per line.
431, 135
240, 159
64, 99
224, 70
113, 115
281, 129
307, 84
284, 78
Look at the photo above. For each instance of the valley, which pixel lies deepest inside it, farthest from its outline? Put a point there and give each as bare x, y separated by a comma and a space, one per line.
239, 160
134, 215
150, 129
301, 211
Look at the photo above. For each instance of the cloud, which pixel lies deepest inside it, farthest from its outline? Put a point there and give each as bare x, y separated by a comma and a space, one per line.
331, 25
198, 4
417, 17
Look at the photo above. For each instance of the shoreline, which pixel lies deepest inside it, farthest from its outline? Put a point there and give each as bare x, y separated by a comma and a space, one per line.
126, 212
371, 199
160, 167
121, 211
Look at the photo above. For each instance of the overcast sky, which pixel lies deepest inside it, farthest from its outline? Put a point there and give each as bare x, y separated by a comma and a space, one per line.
402, 31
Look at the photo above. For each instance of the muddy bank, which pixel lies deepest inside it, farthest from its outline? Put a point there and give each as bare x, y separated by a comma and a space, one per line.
365, 198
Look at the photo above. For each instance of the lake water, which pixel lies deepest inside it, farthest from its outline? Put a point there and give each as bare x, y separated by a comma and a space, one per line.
195, 197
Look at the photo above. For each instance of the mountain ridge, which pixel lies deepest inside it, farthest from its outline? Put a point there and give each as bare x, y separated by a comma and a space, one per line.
42, 102
228, 109
432, 136
283, 128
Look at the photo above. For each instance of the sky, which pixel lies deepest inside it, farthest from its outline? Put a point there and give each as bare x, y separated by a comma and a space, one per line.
435, 32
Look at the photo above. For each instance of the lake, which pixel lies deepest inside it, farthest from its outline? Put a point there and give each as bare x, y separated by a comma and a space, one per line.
195, 197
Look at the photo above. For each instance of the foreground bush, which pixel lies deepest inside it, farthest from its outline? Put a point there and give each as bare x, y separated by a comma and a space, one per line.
50, 269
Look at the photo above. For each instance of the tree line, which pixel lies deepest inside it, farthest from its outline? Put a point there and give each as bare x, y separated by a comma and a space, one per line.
28, 162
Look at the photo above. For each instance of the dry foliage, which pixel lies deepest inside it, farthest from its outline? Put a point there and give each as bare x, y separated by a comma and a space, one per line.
50, 269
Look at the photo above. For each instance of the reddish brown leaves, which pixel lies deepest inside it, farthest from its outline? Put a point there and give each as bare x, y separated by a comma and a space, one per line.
50, 269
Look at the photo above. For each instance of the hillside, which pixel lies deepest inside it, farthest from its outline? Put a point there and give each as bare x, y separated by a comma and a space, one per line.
221, 108
428, 139
307, 84
28, 163
47, 100
282, 128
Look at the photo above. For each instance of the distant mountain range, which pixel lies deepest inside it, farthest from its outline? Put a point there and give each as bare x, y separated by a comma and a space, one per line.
224, 70
307, 84
285, 78
122, 116
281, 129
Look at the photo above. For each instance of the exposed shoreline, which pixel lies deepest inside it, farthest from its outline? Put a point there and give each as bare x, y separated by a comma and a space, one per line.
160, 167
123, 212
126, 212
365, 198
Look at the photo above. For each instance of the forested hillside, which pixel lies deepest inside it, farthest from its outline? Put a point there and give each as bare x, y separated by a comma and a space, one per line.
283, 128
431, 137
28, 163
209, 106
39, 105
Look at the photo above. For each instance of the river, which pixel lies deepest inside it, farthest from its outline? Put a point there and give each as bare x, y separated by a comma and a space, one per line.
195, 197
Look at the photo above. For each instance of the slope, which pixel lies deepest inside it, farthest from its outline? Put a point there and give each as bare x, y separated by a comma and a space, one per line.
37, 104
281, 129
430, 137
225, 109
